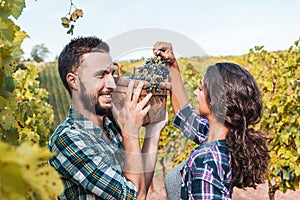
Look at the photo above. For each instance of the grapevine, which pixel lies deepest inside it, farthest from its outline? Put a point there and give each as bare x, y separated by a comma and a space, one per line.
154, 71
25, 116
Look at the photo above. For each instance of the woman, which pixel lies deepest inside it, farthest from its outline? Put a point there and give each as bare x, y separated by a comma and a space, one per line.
230, 152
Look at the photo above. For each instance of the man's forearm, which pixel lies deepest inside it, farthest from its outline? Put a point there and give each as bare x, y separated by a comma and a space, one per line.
133, 165
149, 151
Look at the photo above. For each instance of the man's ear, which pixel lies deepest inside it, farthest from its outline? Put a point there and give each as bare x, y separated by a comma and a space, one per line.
72, 80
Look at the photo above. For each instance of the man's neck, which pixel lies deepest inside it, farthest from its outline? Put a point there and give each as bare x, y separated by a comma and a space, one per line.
96, 119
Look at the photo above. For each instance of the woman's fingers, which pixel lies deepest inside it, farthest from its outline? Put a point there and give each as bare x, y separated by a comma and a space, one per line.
164, 50
162, 47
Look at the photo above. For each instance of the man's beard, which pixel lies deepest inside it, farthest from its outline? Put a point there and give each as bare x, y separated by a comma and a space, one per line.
91, 103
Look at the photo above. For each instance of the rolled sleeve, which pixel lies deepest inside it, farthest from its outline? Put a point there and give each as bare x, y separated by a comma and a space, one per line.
192, 125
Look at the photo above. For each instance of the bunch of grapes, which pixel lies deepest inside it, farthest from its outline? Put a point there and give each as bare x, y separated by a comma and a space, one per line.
154, 71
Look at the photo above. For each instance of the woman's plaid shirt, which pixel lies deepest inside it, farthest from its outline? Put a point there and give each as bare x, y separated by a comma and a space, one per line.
207, 173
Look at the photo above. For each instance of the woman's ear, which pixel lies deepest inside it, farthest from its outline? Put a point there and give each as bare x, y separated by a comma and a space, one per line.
72, 81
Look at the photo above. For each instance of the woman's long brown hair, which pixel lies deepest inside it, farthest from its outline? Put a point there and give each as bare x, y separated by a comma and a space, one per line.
235, 100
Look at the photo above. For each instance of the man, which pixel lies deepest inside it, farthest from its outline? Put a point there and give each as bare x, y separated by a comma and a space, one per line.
94, 159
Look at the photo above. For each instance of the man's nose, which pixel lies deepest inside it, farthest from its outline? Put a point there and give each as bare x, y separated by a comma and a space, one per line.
110, 82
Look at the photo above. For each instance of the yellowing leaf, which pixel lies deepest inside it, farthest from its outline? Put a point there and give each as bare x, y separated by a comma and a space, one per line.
45, 183
42, 179
7, 119
76, 14
297, 170
12, 184
285, 137
288, 154
281, 151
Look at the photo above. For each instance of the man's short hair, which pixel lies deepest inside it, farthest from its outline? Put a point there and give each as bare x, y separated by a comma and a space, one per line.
71, 57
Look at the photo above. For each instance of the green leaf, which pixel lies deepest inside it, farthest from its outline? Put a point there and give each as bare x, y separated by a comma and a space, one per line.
7, 29
12, 184
4, 12
65, 22
16, 7
9, 84
7, 119
258, 48
70, 31
286, 175
285, 137
297, 142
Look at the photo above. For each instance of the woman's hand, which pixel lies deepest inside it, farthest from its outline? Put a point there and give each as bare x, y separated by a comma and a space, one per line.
164, 49
178, 95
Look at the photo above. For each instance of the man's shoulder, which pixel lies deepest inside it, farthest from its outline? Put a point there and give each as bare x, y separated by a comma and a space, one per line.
65, 129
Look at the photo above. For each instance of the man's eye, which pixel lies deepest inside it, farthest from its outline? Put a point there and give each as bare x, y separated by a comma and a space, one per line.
100, 75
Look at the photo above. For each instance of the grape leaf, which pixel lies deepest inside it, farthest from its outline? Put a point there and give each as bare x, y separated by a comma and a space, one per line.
16, 7
65, 22
9, 84
76, 14
12, 184
7, 119
7, 29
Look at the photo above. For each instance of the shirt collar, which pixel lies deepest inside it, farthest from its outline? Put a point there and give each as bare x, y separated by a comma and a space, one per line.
76, 117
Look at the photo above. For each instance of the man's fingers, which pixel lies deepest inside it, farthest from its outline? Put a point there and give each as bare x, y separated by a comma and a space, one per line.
129, 92
144, 102
115, 113
114, 110
145, 110
137, 92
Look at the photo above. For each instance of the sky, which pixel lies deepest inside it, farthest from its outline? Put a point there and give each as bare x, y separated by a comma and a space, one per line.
217, 27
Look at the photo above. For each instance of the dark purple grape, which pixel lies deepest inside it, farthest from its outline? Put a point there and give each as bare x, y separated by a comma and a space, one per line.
154, 71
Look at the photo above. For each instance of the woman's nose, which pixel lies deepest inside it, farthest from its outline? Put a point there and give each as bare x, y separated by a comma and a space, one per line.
195, 92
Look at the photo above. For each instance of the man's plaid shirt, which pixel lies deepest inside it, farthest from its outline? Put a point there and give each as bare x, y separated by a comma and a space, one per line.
207, 173
90, 165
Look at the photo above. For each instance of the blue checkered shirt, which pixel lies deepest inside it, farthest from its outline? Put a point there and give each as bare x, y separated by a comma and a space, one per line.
207, 173
90, 164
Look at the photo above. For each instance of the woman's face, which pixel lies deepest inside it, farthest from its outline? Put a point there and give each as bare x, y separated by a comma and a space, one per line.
202, 105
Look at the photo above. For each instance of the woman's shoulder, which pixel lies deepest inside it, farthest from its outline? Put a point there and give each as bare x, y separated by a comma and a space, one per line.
213, 155
210, 163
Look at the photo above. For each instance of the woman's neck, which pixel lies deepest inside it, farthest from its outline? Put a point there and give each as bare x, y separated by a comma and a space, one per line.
217, 131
